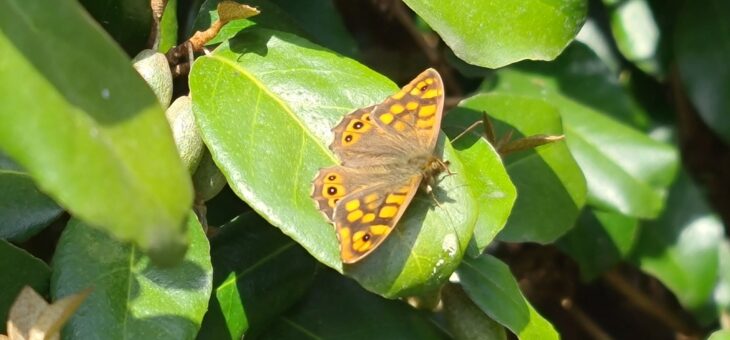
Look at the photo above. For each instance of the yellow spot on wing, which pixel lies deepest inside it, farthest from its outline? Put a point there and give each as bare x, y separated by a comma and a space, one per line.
380, 229
399, 126
386, 118
430, 94
388, 211
427, 110
395, 198
397, 108
352, 205
424, 123
369, 217
354, 138
354, 216
411, 105
429, 81
340, 190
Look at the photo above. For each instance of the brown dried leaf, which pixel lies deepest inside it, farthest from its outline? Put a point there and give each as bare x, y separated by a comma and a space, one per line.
32, 318
231, 10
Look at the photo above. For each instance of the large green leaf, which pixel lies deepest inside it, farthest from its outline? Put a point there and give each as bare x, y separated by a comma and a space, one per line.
494, 33
626, 171
702, 49
492, 287
723, 334
131, 298
336, 308
550, 186
24, 210
258, 273
18, 269
681, 246
87, 128
599, 241
486, 176
265, 103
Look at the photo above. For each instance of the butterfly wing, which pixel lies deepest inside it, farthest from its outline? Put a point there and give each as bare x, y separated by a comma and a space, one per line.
334, 183
388, 133
414, 113
364, 218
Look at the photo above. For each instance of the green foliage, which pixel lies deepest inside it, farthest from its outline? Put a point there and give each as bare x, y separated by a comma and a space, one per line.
98, 189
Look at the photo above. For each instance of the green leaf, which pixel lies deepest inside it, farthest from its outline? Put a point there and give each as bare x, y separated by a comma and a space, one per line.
99, 144
680, 248
626, 171
495, 33
131, 297
466, 321
321, 20
19, 269
720, 335
702, 49
486, 177
126, 21
24, 210
168, 27
599, 241
258, 274
265, 103
490, 284
636, 33
551, 188
336, 308
721, 295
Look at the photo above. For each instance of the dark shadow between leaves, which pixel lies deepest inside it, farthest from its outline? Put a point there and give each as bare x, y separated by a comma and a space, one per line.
535, 180
257, 270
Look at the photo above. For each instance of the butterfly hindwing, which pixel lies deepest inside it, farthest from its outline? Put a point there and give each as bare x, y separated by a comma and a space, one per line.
365, 218
334, 183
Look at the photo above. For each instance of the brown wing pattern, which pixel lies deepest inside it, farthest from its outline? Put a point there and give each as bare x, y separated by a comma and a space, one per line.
366, 217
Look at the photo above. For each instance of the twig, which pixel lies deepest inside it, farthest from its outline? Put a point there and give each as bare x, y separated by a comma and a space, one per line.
181, 55
649, 306
584, 320
430, 50
158, 8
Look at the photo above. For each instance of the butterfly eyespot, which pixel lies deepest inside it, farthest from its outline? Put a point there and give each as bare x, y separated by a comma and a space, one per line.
348, 138
423, 88
358, 125
331, 177
332, 190
366, 237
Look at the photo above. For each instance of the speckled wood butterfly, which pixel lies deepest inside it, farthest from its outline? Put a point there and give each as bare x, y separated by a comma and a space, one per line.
387, 152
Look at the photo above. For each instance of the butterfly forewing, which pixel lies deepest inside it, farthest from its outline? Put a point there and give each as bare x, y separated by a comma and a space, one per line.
414, 113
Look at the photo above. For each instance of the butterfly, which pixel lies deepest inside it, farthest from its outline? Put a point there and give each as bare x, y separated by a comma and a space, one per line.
386, 152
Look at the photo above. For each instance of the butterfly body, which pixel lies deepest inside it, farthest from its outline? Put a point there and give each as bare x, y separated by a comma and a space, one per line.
386, 153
